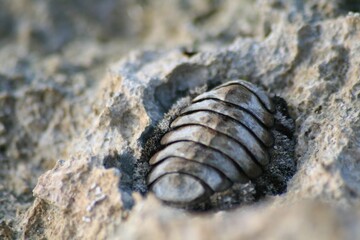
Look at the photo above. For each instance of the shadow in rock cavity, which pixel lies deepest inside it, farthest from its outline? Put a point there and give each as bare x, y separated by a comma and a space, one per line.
125, 162
350, 5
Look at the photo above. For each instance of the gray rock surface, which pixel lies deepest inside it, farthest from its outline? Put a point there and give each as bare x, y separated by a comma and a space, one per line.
80, 129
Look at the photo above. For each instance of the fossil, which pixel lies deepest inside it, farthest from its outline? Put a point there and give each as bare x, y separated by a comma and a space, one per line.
223, 137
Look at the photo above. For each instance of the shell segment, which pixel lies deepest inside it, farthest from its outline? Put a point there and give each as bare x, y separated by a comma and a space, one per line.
213, 178
222, 138
218, 141
185, 188
237, 114
200, 153
229, 128
260, 93
241, 97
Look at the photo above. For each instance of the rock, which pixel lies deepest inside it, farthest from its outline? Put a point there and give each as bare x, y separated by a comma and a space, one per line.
303, 220
60, 113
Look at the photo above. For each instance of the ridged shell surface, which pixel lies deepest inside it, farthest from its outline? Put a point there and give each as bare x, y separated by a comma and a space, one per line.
223, 137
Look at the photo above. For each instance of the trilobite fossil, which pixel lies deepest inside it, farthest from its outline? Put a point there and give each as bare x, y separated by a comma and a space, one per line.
222, 138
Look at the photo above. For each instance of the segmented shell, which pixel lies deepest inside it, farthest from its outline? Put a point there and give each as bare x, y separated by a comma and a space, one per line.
222, 138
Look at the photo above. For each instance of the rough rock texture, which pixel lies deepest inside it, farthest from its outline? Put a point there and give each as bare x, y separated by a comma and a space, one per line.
60, 112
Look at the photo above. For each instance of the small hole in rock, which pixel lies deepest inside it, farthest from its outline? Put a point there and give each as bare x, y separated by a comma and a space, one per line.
189, 52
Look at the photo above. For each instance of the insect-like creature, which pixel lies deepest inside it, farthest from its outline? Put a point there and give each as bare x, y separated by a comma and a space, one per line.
223, 137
